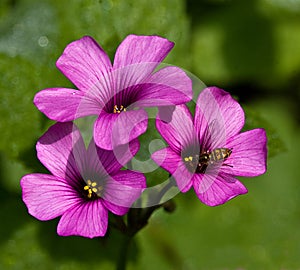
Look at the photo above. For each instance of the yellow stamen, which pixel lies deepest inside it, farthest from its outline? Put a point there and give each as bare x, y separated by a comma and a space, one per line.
119, 110
189, 158
91, 188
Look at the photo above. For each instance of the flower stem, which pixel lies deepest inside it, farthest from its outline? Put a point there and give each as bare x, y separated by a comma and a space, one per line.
123, 252
137, 218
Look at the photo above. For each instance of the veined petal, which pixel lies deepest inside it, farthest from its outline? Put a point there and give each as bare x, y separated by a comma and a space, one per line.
113, 129
214, 189
110, 161
84, 63
138, 49
172, 163
128, 80
87, 219
249, 153
168, 86
47, 196
122, 190
61, 104
179, 132
217, 117
60, 149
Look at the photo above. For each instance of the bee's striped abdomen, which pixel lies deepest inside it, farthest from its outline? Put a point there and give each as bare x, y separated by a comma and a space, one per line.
219, 154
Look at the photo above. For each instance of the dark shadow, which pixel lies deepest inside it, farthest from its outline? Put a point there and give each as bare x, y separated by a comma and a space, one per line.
247, 90
83, 250
199, 10
13, 213
292, 90
248, 47
28, 157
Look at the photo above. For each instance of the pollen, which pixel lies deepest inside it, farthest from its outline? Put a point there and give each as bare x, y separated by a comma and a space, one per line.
119, 109
189, 158
92, 188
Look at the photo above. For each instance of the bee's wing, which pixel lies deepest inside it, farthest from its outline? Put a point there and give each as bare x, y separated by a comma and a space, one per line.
214, 136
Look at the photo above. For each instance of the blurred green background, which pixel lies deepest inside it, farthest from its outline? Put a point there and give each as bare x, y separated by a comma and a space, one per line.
249, 48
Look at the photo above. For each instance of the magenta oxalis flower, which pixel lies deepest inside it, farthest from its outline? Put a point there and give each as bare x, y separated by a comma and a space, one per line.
85, 183
208, 152
115, 93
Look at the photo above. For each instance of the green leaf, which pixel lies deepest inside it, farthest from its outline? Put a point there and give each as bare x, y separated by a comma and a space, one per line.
110, 21
26, 45
30, 31
19, 122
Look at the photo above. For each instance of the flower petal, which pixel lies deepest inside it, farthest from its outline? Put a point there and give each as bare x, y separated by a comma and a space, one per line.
165, 113
168, 86
172, 162
61, 104
61, 149
84, 63
110, 161
122, 190
112, 129
217, 116
129, 80
87, 219
214, 189
179, 132
249, 154
138, 49
47, 196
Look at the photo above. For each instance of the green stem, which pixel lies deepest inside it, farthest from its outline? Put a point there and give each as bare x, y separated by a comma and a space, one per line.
123, 252
137, 219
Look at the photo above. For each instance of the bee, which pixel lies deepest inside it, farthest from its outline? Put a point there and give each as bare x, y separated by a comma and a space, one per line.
215, 156
219, 154
209, 158
199, 163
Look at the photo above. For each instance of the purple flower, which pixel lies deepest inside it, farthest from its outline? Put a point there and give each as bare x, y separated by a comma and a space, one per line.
115, 93
84, 185
208, 152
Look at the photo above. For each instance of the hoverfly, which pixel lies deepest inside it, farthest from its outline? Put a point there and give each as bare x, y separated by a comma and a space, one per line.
199, 162
216, 156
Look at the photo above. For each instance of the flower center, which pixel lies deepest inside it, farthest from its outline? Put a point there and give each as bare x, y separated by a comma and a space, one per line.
199, 163
92, 189
119, 109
